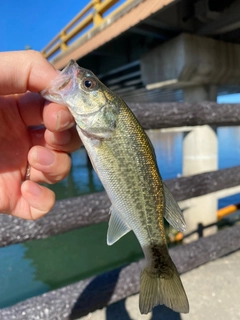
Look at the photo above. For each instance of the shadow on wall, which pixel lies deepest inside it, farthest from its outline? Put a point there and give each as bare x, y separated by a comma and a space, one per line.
98, 294
117, 311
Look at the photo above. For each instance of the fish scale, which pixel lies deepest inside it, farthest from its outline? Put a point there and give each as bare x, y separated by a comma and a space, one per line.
125, 161
134, 183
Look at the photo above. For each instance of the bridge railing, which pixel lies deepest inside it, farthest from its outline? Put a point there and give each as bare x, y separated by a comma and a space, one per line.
90, 17
74, 300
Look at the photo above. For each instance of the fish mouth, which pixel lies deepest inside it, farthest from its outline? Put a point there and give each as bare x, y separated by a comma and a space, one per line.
63, 84
72, 64
66, 78
71, 70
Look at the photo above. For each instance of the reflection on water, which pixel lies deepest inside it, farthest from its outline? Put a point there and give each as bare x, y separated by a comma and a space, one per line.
228, 156
38, 266
17, 276
168, 149
82, 179
228, 147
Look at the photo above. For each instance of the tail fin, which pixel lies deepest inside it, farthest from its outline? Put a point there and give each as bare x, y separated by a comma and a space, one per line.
158, 289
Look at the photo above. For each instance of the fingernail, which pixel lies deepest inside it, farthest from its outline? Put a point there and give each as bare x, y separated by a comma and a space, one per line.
63, 120
44, 156
36, 214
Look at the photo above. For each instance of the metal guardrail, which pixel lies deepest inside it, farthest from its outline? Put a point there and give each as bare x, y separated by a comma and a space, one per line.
91, 209
90, 16
73, 301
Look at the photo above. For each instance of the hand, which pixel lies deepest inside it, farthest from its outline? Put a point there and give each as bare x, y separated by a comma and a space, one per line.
31, 131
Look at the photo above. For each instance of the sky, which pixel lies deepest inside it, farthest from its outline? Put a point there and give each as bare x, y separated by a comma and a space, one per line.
34, 23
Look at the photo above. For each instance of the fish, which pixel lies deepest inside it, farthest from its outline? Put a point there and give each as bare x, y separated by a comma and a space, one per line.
124, 159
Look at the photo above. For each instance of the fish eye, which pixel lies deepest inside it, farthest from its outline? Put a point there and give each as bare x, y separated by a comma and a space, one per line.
89, 84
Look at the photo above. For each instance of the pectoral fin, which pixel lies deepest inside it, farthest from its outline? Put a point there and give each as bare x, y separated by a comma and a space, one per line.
117, 228
173, 213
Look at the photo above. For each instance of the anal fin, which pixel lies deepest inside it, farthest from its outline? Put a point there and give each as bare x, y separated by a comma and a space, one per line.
117, 228
173, 213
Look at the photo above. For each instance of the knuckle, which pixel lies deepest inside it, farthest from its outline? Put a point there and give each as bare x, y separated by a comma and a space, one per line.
58, 176
35, 54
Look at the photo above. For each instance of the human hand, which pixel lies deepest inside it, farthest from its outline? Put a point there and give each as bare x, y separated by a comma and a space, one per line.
31, 131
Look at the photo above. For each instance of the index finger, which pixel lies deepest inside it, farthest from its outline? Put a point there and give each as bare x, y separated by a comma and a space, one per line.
24, 70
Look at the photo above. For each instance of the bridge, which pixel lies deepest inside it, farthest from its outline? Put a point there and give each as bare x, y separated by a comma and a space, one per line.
112, 37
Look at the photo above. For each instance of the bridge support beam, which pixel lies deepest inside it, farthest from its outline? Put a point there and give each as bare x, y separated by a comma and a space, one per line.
189, 60
197, 65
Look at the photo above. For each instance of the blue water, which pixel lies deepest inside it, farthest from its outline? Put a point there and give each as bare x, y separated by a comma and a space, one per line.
228, 156
38, 266
17, 276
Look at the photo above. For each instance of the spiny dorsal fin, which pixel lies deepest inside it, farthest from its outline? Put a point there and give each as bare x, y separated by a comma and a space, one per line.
173, 213
117, 228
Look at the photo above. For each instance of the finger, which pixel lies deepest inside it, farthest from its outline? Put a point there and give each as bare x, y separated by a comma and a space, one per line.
48, 165
24, 70
57, 117
40, 199
34, 110
30, 106
67, 141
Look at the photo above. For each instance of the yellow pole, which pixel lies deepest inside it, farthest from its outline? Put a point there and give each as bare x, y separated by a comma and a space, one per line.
97, 17
63, 43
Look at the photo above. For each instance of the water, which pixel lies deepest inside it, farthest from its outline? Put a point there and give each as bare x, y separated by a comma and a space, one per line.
38, 266
228, 156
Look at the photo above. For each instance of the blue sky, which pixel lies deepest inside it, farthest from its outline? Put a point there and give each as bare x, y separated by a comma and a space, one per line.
34, 23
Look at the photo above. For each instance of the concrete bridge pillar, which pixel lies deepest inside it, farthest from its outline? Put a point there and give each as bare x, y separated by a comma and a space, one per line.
197, 65
200, 154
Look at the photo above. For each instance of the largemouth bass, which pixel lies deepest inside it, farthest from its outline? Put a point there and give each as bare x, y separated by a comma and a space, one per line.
124, 159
